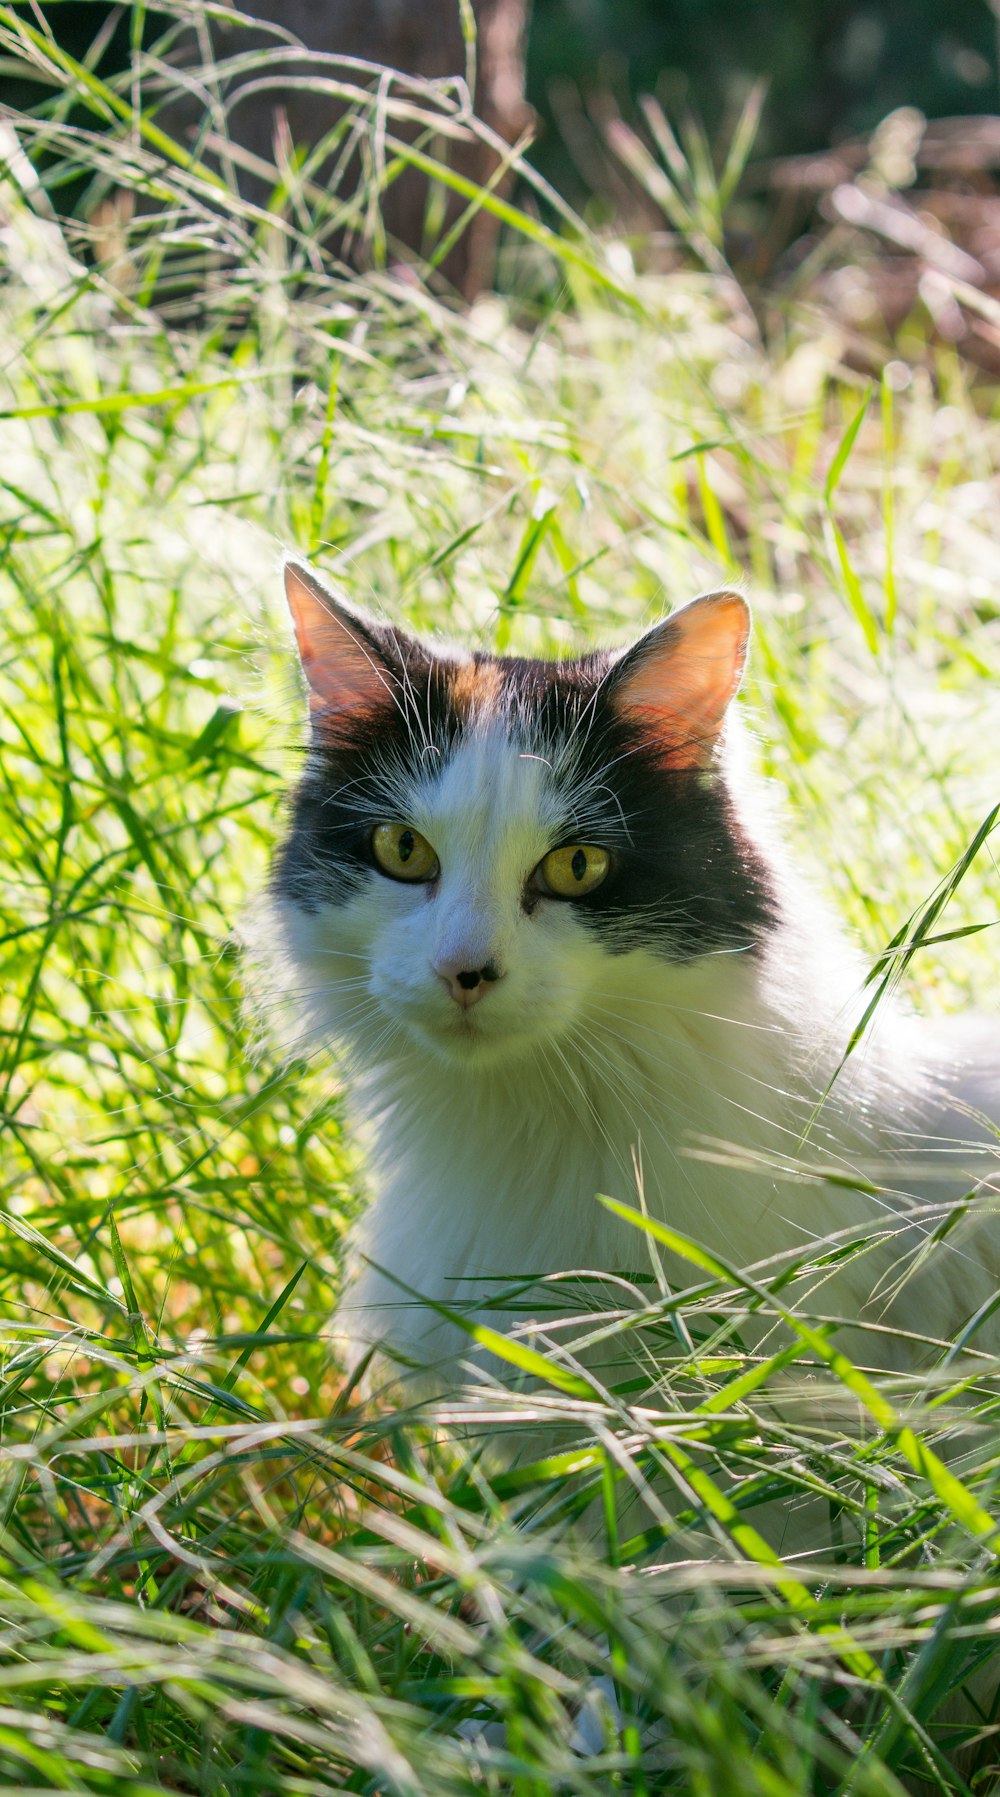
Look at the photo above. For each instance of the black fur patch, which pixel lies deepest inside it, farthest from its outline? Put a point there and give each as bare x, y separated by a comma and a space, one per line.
685, 877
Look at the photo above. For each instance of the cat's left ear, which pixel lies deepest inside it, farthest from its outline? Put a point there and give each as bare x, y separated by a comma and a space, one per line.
679, 680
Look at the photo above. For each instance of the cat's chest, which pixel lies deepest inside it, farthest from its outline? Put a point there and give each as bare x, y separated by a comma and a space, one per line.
505, 1176
717, 1134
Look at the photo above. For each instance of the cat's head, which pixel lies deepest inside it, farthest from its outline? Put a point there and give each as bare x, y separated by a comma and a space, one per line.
481, 846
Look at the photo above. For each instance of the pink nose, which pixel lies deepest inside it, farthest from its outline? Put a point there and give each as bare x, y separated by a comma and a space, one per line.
467, 985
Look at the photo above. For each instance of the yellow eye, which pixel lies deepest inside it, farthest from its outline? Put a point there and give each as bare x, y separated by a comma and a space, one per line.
403, 853
572, 872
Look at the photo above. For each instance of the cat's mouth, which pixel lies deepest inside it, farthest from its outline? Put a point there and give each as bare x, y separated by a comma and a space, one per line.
462, 1035
464, 1026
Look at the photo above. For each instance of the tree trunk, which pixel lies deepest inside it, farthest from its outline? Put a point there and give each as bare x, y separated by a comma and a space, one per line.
420, 38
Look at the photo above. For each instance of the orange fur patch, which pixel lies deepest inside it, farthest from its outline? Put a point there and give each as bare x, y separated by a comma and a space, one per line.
475, 688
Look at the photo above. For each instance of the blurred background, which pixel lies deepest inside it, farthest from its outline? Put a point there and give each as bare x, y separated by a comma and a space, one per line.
864, 138
835, 68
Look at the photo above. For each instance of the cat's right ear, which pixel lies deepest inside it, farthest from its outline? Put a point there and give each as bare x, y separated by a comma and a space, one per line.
346, 667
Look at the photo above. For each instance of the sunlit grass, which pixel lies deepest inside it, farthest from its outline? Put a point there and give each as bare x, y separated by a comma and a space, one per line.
217, 1575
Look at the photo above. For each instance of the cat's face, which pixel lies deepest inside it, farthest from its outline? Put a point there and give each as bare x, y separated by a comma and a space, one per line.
483, 850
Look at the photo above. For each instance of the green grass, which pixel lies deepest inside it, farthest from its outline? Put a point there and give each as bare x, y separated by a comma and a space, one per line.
218, 1576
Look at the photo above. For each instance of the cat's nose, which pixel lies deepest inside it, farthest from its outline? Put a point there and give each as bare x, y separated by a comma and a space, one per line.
467, 985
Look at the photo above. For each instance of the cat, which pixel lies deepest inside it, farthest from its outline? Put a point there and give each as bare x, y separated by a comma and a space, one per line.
544, 912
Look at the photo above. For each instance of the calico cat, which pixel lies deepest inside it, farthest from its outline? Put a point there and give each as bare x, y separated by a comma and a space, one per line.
543, 910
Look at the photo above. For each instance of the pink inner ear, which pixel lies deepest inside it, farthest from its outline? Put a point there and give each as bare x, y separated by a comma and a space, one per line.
343, 668
684, 676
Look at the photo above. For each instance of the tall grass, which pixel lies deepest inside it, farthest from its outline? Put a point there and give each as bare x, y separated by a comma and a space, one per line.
219, 1574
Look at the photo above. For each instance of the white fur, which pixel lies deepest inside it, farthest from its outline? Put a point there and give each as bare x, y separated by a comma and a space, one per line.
491, 1131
